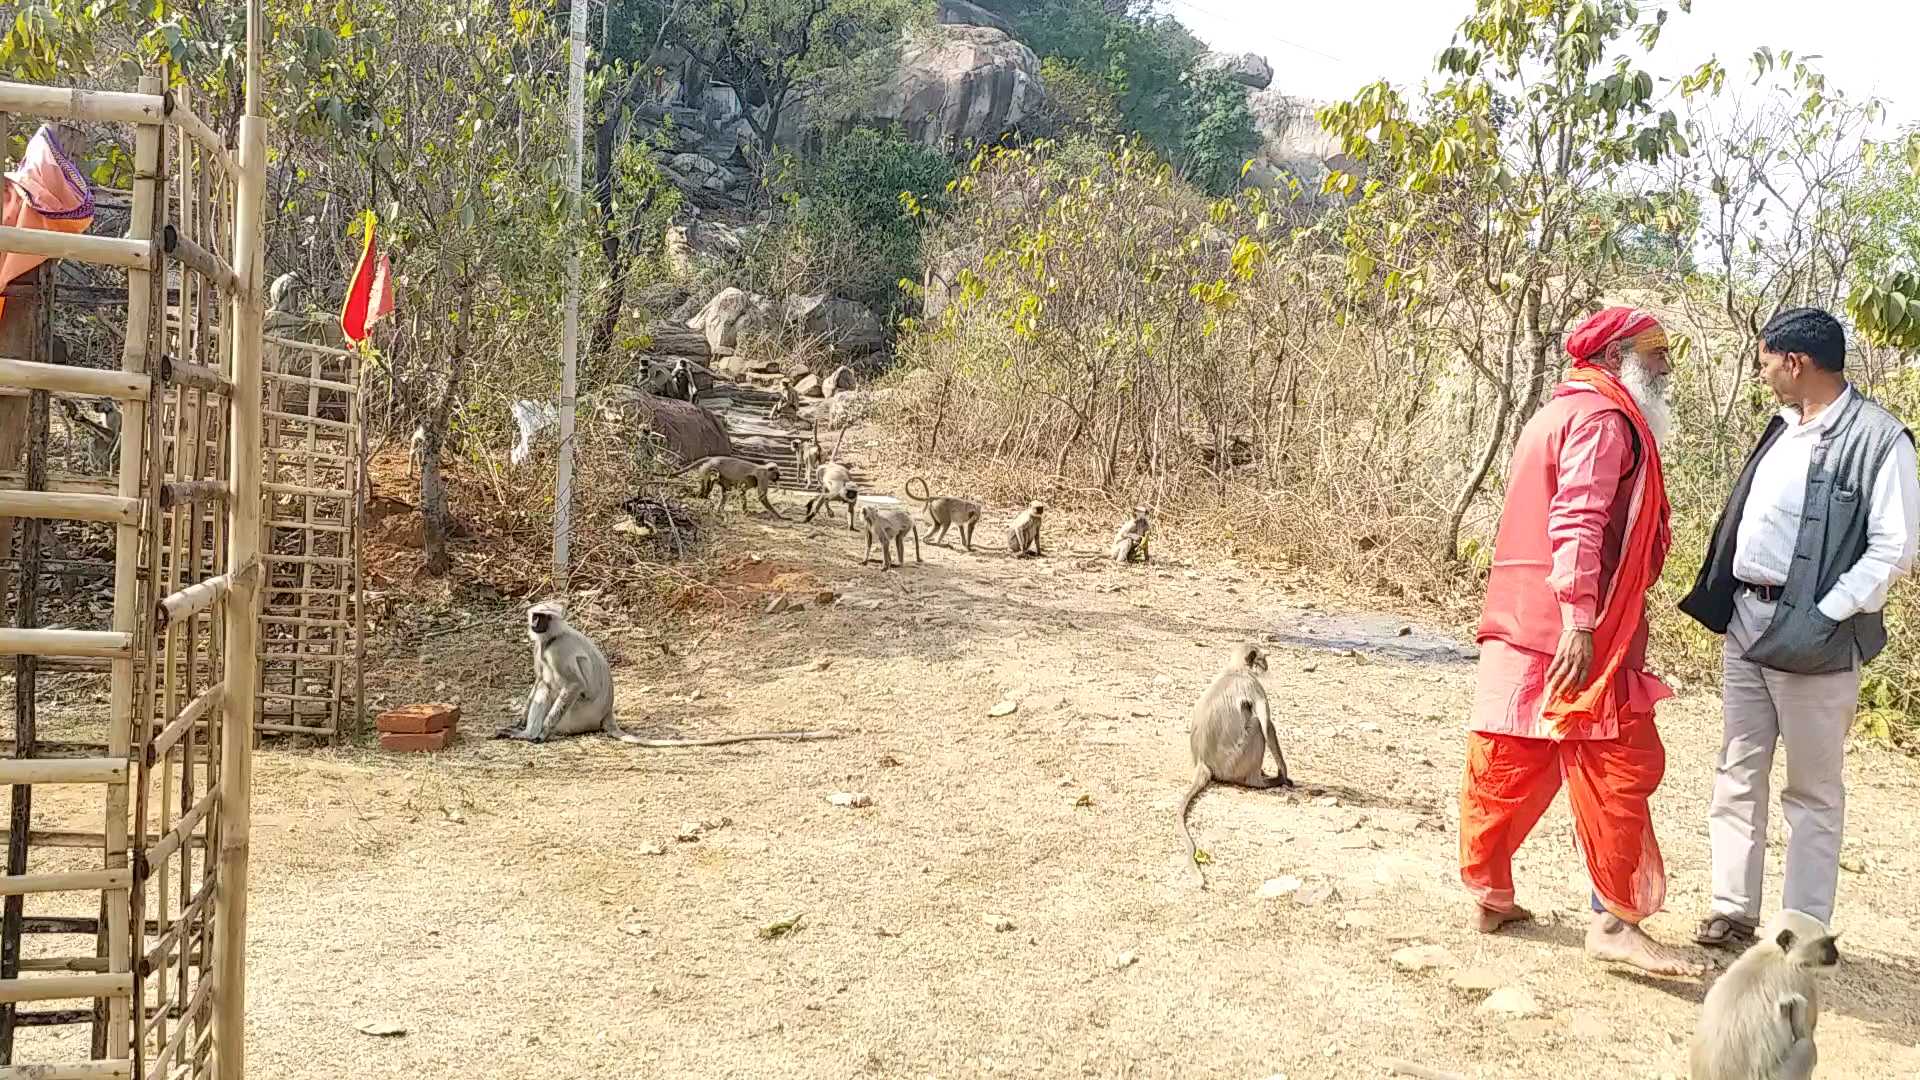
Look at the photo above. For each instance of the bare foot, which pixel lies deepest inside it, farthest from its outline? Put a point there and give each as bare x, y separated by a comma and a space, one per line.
1616, 942
1486, 920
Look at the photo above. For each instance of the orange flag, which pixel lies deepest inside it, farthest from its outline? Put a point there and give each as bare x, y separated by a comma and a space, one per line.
370, 292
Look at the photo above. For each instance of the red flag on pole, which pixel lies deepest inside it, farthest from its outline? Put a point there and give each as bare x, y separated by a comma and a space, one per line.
369, 292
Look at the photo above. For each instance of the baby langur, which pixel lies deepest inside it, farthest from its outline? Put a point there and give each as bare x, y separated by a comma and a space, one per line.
1131, 540
1758, 1019
1023, 538
731, 473
1232, 732
573, 690
836, 485
944, 512
890, 527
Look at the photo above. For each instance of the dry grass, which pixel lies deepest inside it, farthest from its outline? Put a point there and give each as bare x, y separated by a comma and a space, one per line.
501, 902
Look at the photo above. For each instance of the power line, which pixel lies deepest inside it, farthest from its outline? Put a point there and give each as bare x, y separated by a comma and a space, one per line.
1191, 6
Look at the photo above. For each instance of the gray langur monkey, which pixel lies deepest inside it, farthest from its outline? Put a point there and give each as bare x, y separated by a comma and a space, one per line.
730, 473
945, 512
416, 451
1023, 537
680, 380
891, 528
1758, 1020
1232, 732
836, 485
1131, 540
573, 690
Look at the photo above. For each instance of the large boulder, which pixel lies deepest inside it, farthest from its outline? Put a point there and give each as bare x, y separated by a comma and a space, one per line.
952, 87
733, 319
845, 325
1248, 69
962, 13
840, 381
1292, 143
687, 430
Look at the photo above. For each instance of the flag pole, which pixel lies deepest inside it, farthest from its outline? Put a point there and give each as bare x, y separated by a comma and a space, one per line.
570, 336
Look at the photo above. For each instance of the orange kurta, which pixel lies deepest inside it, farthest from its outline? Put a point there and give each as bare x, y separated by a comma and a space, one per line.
1574, 498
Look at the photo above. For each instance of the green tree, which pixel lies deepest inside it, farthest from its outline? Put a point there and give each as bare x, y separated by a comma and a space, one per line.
1219, 134
1484, 216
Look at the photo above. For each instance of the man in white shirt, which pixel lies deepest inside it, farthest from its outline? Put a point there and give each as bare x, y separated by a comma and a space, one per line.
1822, 521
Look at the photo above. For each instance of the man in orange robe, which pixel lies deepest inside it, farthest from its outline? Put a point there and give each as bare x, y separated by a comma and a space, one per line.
1562, 687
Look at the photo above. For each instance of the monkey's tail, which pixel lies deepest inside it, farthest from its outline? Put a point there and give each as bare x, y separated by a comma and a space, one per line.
926, 493
614, 729
1201, 777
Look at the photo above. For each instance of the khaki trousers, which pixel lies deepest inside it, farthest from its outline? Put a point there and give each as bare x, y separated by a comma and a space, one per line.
1810, 715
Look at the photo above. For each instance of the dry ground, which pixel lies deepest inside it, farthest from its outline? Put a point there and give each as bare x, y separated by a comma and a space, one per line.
532, 911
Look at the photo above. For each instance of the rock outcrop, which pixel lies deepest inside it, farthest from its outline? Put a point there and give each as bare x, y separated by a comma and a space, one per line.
962, 13
961, 85
1248, 69
843, 324
1292, 143
734, 318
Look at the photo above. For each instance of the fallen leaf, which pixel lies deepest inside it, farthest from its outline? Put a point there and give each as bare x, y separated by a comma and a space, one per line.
1083, 801
1203, 857
381, 1029
1005, 708
781, 927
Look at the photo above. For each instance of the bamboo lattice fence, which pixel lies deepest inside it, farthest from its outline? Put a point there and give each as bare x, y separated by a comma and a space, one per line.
131, 840
311, 627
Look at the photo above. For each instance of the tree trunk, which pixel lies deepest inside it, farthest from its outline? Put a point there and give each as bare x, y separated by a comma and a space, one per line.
1450, 553
1534, 388
438, 524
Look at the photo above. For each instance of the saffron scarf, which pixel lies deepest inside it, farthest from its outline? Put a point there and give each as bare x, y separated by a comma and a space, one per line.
1644, 552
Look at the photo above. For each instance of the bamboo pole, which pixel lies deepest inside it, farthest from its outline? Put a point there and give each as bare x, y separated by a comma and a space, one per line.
180, 115
63, 987
112, 644
304, 346
67, 379
183, 492
140, 453
63, 771
62, 103
197, 376
242, 632
125, 252
196, 711
201, 261
191, 600
72, 881
110, 509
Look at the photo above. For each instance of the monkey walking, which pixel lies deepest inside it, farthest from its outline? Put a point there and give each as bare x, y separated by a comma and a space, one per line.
1131, 540
945, 512
730, 473
1232, 732
1023, 537
1758, 1020
836, 485
573, 690
891, 527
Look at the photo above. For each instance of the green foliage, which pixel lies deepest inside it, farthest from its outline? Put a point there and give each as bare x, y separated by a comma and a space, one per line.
1082, 103
856, 211
1885, 298
1219, 132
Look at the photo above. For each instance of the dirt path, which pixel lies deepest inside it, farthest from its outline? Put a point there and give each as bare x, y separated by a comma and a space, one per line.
502, 904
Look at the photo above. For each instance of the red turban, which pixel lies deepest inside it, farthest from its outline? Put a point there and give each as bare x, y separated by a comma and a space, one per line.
1603, 328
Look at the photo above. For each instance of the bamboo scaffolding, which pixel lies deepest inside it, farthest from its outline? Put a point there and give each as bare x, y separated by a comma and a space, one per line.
99, 106
111, 644
197, 376
67, 771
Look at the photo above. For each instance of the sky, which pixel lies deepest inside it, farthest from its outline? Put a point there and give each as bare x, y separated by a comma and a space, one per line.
1329, 50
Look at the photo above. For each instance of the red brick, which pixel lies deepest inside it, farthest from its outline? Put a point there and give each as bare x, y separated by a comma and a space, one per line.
418, 719
429, 741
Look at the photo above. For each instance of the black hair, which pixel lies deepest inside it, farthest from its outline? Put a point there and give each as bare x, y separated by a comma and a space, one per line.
1812, 333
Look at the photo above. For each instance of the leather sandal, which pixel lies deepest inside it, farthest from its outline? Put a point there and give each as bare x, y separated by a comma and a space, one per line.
1724, 931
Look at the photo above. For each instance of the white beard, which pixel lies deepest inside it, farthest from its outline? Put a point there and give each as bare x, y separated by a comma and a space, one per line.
1649, 391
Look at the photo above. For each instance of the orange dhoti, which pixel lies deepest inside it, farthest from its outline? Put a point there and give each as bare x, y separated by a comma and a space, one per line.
1510, 782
